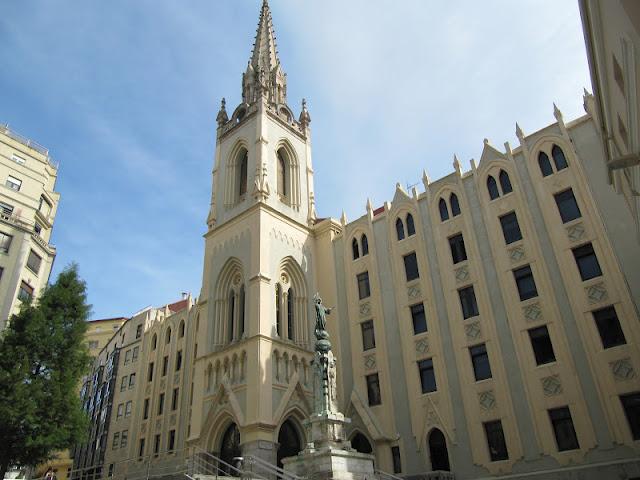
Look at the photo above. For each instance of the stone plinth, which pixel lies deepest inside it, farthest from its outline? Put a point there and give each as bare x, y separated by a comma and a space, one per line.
331, 463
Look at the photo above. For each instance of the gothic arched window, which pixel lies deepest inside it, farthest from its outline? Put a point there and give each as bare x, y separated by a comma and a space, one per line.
545, 164
167, 337
290, 314
365, 245
278, 311
181, 329
355, 249
444, 210
492, 187
505, 183
455, 205
154, 342
399, 229
411, 228
282, 175
241, 306
232, 313
242, 178
558, 158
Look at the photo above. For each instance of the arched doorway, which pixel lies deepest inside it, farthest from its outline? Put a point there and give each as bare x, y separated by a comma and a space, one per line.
438, 451
289, 440
230, 448
360, 443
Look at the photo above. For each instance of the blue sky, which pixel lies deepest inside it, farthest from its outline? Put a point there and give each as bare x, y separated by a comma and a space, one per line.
125, 93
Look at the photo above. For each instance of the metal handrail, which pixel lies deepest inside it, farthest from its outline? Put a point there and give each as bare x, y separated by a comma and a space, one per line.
211, 460
386, 475
272, 469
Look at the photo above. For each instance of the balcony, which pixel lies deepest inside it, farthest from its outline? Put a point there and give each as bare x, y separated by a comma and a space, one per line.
28, 143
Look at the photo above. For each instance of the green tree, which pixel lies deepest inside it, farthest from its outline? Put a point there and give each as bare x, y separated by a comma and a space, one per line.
42, 358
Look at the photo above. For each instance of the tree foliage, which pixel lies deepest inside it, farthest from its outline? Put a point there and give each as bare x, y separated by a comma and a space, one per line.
42, 358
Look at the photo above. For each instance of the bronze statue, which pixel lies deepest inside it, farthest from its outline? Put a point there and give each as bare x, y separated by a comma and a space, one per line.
321, 317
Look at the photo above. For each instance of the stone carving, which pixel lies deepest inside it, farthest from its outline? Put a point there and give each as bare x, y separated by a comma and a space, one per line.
597, 293
365, 309
472, 331
487, 400
422, 346
576, 232
516, 254
462, 274
414, 291
551, 385
622, 369
432, 418
370, 362
532, 312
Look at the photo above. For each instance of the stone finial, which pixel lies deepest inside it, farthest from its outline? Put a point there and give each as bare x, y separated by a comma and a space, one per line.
305, 118
557, 113
456, 164
369, 206
507, 148
222, 116
425, 179
485, 141
473, 164
343, 218
519, 132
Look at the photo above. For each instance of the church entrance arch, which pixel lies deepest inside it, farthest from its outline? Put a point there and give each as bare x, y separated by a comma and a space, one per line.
438, 451
289, 441
229, 449
361, 444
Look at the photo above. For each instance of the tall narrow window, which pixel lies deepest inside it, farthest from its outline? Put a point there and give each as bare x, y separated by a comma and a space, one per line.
165, 365
181, 329
13, 183
458, 252
242, 177
156, 445
399, 229
154, 341
33, 262
455, 205
411, 227
563, 429
278, 310
427, 376
282, 175
510, 228
480, 361
5, 242
368, 335
373, 389
495, 441
395, 456
232, 313
545, 164
241, 313
160, 403
525, 283
167, 337
178, 360
631, 406
609, 327
171, 443
411, 266
364, 290
145, 410
290, 314
567, 206
468, 302
444, 210
541, 344
419, 319
492, 188
587, 262
558, 158
140, 450
505, 183
174, 399
355, 249
365, 245
25, 292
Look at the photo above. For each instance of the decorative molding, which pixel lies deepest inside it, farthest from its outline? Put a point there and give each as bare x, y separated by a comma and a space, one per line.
365, 309
551, 385
472, 330
422, 346
532, 312
517, 253
487, 400
370, 362
597, 293
576, 232
622, 369
414, 291
462, 274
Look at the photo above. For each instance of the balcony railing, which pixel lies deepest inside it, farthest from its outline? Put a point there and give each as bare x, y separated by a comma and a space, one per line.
28, 143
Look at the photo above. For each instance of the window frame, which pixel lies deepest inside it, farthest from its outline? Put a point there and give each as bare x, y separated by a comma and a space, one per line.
415, 311
493, 433
540, 336
427, 375
364, 286
566, 202
368, 333
479, 361
613, 339
587, 261
374, 393
468, 302
458, 249
510, 227
525, 282
411, 268
563, 418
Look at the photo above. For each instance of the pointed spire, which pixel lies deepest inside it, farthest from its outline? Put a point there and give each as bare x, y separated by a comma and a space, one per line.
519, 132
343, 218
556, 112
264, 75
222, 117
425, 179
456, 163
305, 118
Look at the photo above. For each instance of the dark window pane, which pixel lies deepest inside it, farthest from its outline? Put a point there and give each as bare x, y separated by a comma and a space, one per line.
354, 248
399, 229
567, 206
495, 441
373, 389
368, 335
365, 245
492, 187
631, 406
419, 319
458, 252
411, 266
542, 347
558, 158
510, 228
427, 376
363, 285
525, 283
395, 455
444, 210
609, 327
468, 302
455, 205
545, 164
587, 262
411, 228
563, 429
480, 361
505, 183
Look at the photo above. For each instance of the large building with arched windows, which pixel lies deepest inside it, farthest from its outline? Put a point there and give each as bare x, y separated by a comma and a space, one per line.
485, 326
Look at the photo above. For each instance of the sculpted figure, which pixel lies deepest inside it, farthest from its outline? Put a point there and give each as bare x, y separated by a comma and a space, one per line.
321, 316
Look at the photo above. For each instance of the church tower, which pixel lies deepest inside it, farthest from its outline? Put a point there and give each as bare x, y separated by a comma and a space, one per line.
252, 380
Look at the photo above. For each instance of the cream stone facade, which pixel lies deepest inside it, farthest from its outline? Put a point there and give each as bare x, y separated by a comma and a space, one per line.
484, 326
28, 205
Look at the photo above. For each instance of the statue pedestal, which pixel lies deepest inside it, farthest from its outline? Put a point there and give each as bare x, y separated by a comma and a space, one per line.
329, 455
